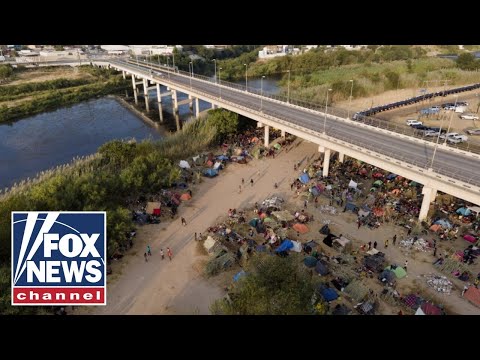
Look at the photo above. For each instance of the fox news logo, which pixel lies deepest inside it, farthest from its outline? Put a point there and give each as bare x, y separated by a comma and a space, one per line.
58, 257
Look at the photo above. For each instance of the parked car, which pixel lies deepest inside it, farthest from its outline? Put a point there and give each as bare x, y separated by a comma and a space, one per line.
473, 132
411, 122
447, 135
430, 133
469, 116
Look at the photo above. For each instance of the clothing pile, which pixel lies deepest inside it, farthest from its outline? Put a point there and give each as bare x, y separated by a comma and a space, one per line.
419, 244
439, 283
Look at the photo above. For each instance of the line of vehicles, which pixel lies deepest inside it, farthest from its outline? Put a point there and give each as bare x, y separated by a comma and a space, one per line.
427, 131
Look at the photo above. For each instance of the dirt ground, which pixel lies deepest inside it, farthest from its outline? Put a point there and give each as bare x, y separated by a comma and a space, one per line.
41, 74
178, 286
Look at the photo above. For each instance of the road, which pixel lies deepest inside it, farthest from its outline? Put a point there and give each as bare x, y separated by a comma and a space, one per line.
448, 163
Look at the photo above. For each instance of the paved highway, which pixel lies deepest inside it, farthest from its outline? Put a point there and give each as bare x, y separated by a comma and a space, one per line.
447, 163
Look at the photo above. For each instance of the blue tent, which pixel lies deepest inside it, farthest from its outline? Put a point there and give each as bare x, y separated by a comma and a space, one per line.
210, 172
285, 245
321, 269
314, 190
391, 176
253, 222
444, 223
261, 248
310, 261
329, 294
239, 275
464, 211
304, 178
222, 157
351, 207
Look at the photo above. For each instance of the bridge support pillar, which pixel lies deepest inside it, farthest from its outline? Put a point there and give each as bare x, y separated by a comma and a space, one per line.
175, 101
197, 107
434, 195
213, 106
321, 149
145, 94
283, 133
427, 199
159, 95
267, 136
326, 162
134, 89
341, 157
259, 124
123, 74
190, 104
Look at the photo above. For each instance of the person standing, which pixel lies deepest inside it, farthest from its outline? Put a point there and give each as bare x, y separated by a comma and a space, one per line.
169, 253
162, 254
369, 245
375, 244
305, 203
405, 265
386, 243
435, 251
251, 182
394, 239
184, 222
359, 223
409, 231
145, 256
243, 181
465, 288
316, 202
195, 236
239, 189
149, 251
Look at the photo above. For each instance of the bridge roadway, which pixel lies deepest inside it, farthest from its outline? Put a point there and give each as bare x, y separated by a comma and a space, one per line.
455, 165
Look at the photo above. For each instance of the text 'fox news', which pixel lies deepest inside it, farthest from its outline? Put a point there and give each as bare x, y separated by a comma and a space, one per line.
59, 258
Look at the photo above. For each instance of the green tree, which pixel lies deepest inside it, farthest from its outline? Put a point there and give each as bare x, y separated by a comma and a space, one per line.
225, 122
467, 61
273, 286
5, 71
58, 47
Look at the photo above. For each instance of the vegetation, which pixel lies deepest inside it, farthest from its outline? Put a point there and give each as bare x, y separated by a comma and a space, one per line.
273, 286
5, 71
467, 61
119, 171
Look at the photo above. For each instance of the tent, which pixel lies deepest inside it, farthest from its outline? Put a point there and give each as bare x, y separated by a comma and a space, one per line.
304, 178
475, 209
430, 309
310, 261
470, 238
329, 294
184, 164
314, 190
413, 183
398, 271
473, 295
268, 220
284, 246
363, 213
301, 228
463, 211
352, 207
378, 212
261, 248
321, 268
222, 157
185, 197
395, 192
277, 146
283, 215
391, 176
297, 247
342, 244
239, 275
352, 184
388, 275
435, 227
377, 175
444, 223
210, 172
419, 311
378, 183
151, 206
253, 222
217, 165
211, 245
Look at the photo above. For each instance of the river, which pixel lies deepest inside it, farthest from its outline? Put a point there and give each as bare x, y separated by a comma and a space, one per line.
39, 142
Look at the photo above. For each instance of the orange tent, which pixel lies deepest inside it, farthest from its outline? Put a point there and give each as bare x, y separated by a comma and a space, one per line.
185, 197
301, 228
378, 211
209, 163
255, 139
395, 192
473, 295
435, 227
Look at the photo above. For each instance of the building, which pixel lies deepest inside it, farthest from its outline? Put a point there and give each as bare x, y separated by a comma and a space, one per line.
115, 49
149, 50
271, 51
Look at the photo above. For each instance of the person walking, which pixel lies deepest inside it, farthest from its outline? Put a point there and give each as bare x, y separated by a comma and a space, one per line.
409, 231
195, 236
291, 186
359, 223
251, 182
239, 189
162, 254
465, 288
243, 181
369, 245
145, 256
405, 265
375, 244
305, 203
184, 222
316, 202
169, 253
435, 251
394, 239
149, 251
386, 243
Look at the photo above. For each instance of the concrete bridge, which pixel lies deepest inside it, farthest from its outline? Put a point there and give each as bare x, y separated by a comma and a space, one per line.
438, 168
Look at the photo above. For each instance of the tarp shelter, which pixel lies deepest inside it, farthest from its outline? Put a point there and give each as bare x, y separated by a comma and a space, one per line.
285, 246
253, 222
210, 172
211, 245
185, 197
378, 183
184, 164
297, 247
222, 157
329, 239
398, 271
310, 261
314, 190
239, 275
372, 251
217, 165
395, 192
261, 248
463, 211
277, 146
329, 294
341, 309
198, 160
470, 238
352, 184
363, 213
378, 212
377, 175
444, 223
435, 227
352, 207
301, 228
413, 183
151, 206
473, 295
209, 163
304, 178
388, 275
342, 244
268, 220
321, 268
430, 309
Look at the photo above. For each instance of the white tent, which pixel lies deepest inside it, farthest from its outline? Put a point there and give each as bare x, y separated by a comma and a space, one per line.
184, 164
419, 311
297, 247
217, 165
210, 244
352, 184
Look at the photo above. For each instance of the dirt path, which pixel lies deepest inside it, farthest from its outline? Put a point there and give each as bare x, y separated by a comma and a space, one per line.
178, 287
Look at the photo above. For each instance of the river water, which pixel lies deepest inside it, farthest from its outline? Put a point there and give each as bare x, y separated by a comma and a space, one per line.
40, 142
